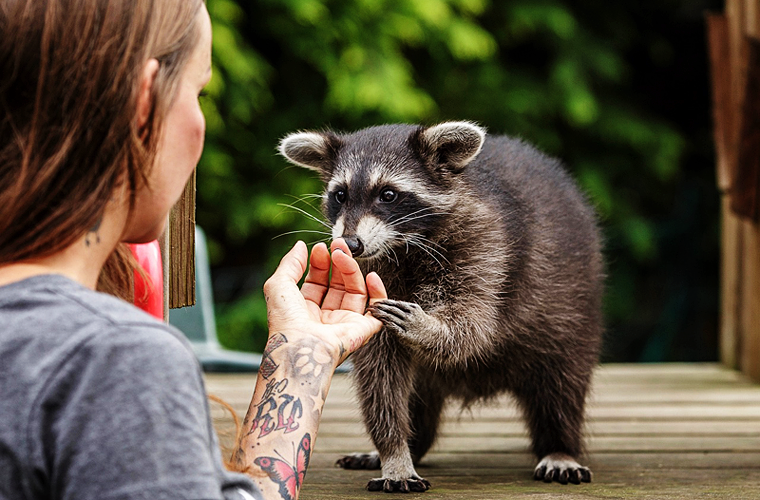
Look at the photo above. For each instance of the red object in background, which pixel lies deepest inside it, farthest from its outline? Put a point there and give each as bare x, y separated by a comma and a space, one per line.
149, 295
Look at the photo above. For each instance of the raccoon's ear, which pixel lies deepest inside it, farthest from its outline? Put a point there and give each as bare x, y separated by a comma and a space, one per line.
312, 150
452, 145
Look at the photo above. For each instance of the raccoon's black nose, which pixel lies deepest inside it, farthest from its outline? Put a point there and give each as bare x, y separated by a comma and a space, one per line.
355, 245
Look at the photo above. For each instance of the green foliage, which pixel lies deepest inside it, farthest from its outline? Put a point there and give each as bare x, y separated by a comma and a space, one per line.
556, 73
243, 324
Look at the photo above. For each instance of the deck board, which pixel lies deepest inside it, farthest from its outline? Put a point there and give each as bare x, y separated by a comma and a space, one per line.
663, 431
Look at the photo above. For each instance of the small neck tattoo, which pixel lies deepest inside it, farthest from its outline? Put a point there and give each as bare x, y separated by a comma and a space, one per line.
93, 230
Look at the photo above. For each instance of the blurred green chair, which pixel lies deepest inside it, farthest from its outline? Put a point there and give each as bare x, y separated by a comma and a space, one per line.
198, 324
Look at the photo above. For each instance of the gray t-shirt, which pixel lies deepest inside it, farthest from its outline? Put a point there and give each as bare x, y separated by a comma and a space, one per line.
100, 401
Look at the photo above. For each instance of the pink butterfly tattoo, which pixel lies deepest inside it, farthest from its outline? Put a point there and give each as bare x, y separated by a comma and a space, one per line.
288, 477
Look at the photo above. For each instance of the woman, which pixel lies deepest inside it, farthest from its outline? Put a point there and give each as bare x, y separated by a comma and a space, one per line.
100, 130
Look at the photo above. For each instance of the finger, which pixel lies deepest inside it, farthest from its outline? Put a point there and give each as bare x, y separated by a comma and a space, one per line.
354, 294
338, 244
291, 267
335, 292
375, 288
315, 285
281, 289
347, 269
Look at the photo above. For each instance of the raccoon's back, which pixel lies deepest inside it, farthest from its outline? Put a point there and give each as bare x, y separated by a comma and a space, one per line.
533, 190
556, 272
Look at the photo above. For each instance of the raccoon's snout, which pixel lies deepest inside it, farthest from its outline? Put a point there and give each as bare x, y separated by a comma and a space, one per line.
355, 245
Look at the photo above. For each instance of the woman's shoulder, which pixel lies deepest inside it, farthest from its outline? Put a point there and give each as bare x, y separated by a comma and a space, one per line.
70, 294
58, 317
64, 346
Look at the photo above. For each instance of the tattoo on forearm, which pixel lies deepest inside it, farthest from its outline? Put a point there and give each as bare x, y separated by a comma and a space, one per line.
268, 366
277, 410
355, 344
342, 352
293, 391
288, 476
314, 361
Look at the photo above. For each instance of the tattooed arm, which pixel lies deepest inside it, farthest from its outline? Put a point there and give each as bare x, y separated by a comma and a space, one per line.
311, 331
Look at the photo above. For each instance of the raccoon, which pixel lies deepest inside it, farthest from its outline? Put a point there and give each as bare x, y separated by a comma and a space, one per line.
492, 261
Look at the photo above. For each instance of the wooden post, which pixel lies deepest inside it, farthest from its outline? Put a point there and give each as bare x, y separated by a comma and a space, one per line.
178, 251
731, 283
734, 48
163, 241
749, 362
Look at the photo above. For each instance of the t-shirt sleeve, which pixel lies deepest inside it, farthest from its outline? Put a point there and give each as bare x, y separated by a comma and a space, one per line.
126, 417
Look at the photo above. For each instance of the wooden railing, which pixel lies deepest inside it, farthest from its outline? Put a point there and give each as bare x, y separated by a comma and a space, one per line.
734, 49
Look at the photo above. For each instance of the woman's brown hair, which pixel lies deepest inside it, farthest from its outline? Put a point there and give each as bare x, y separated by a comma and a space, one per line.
69, 73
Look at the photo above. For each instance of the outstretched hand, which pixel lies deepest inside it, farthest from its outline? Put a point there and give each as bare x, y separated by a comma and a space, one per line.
329, 306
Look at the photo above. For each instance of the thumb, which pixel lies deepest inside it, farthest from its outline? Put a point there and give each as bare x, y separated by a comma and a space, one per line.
292, 265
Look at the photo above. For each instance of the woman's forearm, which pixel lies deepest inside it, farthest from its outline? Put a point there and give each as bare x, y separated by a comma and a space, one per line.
281, 425
312, 330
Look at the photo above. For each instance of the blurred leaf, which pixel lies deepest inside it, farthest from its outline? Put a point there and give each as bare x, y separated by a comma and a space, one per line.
473, 7
435, 13
531, 17
640, 237
469, 41
242, 325
598, 188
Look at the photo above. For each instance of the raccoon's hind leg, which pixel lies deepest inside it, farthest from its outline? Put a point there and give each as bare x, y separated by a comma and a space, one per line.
383, 379
554, 403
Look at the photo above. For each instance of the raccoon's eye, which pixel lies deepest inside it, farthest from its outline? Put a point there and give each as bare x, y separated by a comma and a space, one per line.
388, 196
340, 196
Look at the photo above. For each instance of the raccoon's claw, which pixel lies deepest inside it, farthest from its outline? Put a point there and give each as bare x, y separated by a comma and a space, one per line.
369, 461
413, 484
562, 469
399, 315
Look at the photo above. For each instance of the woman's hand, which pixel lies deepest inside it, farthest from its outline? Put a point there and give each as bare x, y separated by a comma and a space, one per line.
329, 308
311, 331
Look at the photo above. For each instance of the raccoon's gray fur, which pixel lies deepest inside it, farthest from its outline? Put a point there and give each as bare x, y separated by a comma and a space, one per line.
493, 266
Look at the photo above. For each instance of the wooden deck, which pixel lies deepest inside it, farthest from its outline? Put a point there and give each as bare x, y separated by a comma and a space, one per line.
680, 431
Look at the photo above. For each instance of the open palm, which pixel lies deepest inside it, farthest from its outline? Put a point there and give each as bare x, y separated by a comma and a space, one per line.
330, 306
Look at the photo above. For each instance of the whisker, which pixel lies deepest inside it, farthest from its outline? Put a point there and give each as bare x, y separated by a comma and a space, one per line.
417, 211
392, 250
405, 216
303, 231
306, 195
427, 246
410, 219
306, 199
416, 237
411, 216
307, 214
427, 251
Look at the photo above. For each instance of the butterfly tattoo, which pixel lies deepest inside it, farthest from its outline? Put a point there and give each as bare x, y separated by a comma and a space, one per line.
288, 477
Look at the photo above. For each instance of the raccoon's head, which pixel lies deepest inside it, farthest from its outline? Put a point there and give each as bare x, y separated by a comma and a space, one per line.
389, 186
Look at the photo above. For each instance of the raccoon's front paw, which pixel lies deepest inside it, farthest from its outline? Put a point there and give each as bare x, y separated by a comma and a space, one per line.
360, 461
416, 484
404, 318
561, 468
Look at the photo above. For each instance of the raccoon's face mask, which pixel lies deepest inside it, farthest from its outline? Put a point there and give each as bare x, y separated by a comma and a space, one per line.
387, 187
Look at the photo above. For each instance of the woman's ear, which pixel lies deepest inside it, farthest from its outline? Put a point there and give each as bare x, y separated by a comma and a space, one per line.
145, 92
